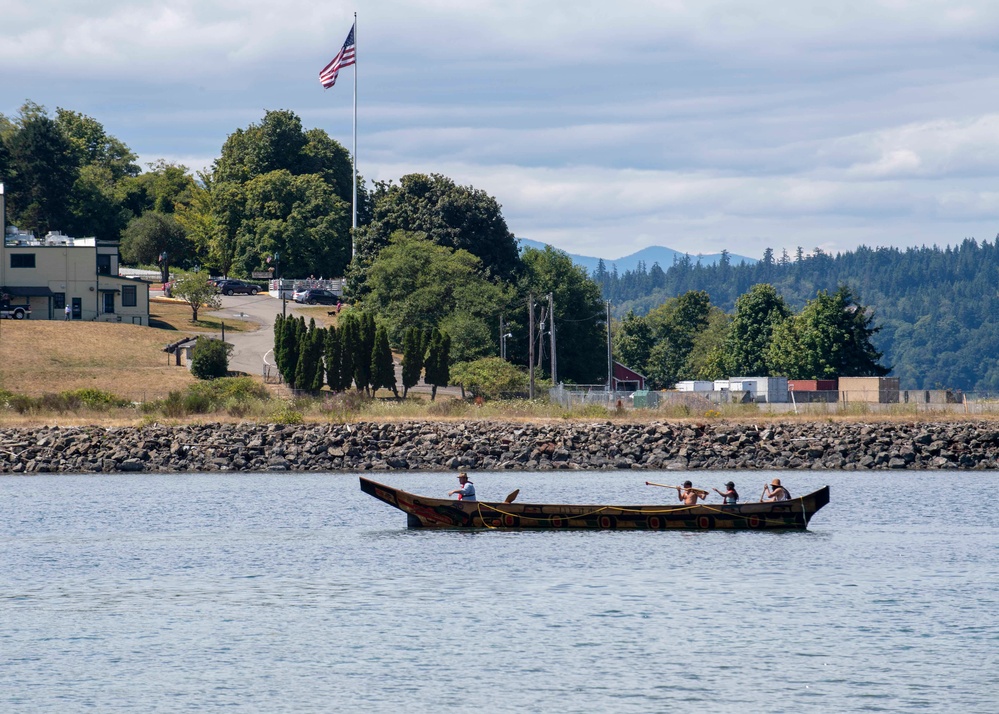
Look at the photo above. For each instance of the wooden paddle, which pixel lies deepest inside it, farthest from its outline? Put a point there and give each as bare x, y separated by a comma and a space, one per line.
764, 493
663, 485
513, 496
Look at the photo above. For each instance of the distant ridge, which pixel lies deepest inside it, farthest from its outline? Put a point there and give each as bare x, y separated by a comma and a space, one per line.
650, 255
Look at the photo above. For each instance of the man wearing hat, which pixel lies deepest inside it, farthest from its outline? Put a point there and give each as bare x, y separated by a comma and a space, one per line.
775, 492
730, 496
466, 492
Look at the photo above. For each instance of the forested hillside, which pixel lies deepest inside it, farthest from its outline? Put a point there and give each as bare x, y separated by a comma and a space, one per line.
937, 309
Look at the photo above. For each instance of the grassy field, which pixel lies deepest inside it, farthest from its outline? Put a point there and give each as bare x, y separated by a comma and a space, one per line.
42, 356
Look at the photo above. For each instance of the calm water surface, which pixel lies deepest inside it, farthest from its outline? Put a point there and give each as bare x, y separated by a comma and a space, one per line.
288, 593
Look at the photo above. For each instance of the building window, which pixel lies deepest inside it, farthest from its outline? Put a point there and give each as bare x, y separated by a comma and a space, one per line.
128, 296
58, 301
103, 264
22, 260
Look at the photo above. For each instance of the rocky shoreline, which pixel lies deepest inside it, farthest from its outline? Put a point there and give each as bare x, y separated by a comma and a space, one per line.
484, 445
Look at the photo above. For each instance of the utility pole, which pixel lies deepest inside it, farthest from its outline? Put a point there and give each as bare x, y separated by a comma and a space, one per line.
610, 359
530, 341
551, 342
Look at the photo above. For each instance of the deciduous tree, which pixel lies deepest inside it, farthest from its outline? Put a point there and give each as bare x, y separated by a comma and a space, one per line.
195, 290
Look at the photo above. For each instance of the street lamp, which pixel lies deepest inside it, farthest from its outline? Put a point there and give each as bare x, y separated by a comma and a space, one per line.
503, 344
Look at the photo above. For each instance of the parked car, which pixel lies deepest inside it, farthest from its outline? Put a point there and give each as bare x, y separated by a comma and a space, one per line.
317, 296
232, 287
298, 294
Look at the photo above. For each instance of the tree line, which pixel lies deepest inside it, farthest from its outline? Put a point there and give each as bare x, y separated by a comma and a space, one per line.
937, 309
689, 338
355, 353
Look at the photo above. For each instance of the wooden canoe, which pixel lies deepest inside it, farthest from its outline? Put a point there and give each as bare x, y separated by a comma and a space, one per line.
426, 512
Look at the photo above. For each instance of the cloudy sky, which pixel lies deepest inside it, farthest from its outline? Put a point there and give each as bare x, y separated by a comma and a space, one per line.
602, 128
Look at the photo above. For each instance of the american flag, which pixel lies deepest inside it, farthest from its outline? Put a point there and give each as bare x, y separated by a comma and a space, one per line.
344, 58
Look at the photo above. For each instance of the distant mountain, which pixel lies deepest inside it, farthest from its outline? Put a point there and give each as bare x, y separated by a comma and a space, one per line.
653, 254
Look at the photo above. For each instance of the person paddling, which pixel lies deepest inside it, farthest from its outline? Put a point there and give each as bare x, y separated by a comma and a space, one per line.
775, 492
729, 496
466, 492
689, 495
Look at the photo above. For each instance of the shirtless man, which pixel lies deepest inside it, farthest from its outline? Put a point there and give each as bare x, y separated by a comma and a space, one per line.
689, 495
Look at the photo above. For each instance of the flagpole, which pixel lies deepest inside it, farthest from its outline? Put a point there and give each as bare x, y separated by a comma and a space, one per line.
354, 152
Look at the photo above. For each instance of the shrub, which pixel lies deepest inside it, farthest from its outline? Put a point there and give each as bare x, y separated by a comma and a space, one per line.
489, 377
96, 399
210, 359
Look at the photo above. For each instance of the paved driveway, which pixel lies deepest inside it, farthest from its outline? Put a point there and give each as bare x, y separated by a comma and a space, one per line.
250, 347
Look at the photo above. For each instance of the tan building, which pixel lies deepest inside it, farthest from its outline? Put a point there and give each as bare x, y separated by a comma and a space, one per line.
876, 390
56, 272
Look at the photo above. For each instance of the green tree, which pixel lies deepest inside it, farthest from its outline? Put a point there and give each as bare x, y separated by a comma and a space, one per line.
489, 377
413, 354
309, 369
382, 366
151, 234
45, 169
580, 327
93, 146
336, 377
195, 290
634, 342
417, 283
706, 360
757, 313
452, 216
830, 337
350, 335
675, 325
438, 362
299, 217
287, 359
210, 358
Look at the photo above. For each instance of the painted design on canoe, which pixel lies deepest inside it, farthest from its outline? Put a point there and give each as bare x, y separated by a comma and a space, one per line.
426, 512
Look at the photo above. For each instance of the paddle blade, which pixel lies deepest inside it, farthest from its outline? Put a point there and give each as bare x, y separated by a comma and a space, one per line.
512, 497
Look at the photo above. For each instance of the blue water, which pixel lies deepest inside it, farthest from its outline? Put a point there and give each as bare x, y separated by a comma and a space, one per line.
296, 593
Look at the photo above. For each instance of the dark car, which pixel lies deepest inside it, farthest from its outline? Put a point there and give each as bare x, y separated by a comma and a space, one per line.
233, 287
316, 296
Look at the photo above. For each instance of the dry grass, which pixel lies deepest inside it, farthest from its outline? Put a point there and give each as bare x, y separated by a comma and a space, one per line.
167, 314
43, 356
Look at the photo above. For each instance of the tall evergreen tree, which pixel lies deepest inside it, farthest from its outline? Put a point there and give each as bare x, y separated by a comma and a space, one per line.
333, 356
413, 353
350, 335
382, 366
363, 349
438, 366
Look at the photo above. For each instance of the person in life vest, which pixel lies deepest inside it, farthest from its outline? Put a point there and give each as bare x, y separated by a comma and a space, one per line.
466, 492
730, 496
776, 492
